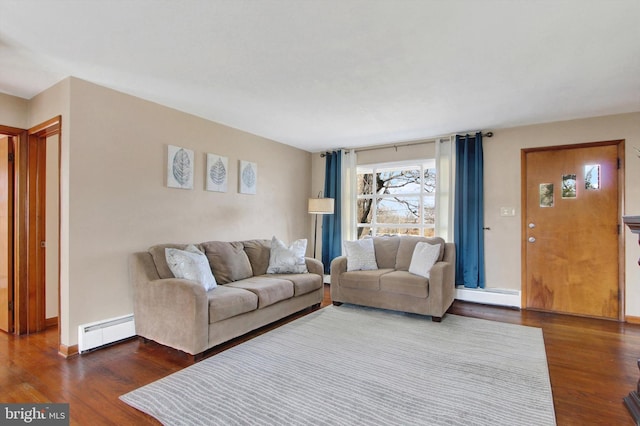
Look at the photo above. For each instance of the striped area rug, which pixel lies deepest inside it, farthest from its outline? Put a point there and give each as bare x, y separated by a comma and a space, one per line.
349, 365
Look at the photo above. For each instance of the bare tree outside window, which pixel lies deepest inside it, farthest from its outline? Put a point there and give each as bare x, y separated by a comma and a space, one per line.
396, 200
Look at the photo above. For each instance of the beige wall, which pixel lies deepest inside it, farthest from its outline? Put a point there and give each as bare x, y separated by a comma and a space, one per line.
13, 111
502, 189
114, 198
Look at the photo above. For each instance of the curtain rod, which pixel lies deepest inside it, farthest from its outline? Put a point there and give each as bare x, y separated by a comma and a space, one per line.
400, 145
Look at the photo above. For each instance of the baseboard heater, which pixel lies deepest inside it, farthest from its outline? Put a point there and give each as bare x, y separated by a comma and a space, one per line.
490, 296
100, 333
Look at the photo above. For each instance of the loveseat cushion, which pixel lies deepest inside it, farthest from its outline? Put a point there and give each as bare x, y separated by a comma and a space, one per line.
366, 280
226, 302
269, 290
228, 261
386, 249
258, 252
361, 255
403, 282
407, 246
302, 283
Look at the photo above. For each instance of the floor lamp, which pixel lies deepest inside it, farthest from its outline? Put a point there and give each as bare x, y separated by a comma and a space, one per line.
318, 206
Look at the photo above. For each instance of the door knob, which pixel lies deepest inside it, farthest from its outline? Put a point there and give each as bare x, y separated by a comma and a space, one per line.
532, 239
532, 225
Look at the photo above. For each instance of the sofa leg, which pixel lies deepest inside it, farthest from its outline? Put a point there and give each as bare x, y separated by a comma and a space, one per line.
436, 319
336, 303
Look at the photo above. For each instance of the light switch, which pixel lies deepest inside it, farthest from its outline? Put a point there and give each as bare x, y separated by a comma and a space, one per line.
507, 211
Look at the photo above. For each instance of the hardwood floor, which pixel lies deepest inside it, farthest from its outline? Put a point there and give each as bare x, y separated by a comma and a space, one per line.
592, 365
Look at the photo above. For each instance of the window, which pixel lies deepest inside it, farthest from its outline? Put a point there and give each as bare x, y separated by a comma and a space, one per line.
397, 199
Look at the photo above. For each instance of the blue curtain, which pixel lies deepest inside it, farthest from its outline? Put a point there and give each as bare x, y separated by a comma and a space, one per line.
331, 223
469, 212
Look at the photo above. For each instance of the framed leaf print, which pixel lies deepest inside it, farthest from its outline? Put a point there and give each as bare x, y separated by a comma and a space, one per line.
217, 173
247, 177
180, 167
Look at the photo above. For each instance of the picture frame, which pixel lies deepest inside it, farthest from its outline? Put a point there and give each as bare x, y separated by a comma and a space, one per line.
180, 167
217, 173
569, 187
592, 177
546, 195
247, 177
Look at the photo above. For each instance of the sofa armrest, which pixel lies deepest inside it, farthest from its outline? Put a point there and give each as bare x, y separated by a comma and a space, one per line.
442, 284
314, 266
338, 266
171, 311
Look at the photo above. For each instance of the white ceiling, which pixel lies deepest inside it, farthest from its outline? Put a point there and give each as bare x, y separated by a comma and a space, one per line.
322, 74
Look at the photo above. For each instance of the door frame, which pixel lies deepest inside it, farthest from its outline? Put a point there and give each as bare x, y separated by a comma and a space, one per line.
32, 286
16, 135
26, 239
523, 213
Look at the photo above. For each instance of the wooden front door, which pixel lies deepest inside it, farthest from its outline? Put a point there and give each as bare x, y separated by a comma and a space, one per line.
571, 229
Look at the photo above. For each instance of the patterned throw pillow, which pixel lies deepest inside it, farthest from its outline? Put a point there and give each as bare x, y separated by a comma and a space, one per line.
191, 264
424, 257
361, 255
287, 260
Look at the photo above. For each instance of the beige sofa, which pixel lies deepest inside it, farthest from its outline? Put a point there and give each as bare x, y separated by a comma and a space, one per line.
179, 313
392, 286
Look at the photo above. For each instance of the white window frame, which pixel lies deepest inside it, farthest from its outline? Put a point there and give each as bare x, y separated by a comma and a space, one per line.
423, 164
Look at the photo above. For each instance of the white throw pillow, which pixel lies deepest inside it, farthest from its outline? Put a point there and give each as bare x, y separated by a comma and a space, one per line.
361, 255
287, 260
190, 264
424, 257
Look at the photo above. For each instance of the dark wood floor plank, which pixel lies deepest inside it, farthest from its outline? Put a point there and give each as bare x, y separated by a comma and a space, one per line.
592, 366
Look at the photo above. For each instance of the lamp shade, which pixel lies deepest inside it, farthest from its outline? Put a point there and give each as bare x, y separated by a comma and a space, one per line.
321, 205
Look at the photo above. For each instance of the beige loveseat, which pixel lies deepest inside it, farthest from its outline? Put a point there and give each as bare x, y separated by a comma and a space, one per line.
391, 285
181, 314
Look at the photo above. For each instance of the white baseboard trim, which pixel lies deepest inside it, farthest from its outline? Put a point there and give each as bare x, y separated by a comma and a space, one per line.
490, 296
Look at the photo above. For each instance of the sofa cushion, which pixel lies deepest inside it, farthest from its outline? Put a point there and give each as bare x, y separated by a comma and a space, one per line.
158, 254
228, 261
226, 302
361, 255
302, 283
386, 249
407, 246
403, 282
190, 264
269, 290
367, 280
258, 252
287, 260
